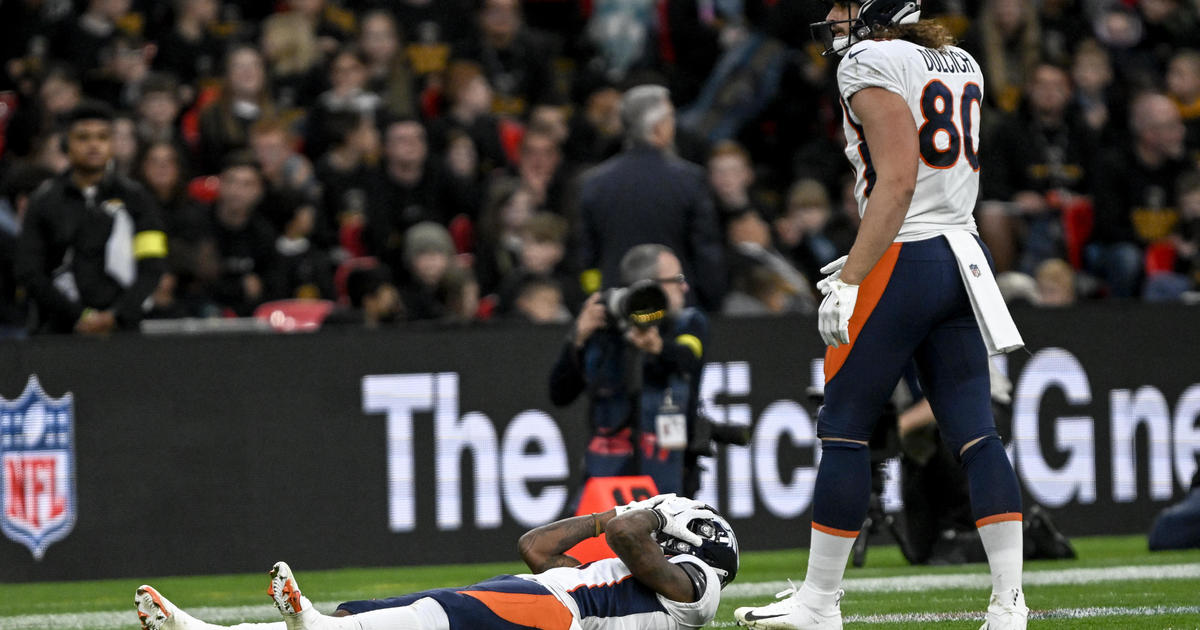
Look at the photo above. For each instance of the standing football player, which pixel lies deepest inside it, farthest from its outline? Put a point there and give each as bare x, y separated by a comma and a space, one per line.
917, 285
678, 553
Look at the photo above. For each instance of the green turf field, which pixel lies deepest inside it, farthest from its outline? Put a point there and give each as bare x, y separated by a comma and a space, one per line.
1115, 583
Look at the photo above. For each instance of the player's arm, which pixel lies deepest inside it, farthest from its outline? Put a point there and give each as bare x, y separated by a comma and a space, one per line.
891, 132
544, 547
630, 536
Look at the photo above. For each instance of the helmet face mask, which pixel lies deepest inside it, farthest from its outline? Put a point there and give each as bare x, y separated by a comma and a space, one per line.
719, 549
872, 15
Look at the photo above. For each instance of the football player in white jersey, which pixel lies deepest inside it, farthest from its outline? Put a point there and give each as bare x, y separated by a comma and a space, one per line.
674, 555
917, 285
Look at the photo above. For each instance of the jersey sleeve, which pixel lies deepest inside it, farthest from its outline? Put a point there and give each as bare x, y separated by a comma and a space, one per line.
698, 613
868, 64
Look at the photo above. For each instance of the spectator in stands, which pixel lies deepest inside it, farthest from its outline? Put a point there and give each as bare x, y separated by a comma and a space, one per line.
539, 300
541, 254
158, 111
595, 128
125, 144
244, 100
1135, 193
304, 269
468, 108
191, 51
748, 236
161, 170
1055, 283
1168, 25
460, 293
347, 93
244, 240
15, 190
800, 230
1006, 40
431, 27
429, 256
374, 300
407, 189
388, 73
286, 172
731, 175
58, 93
1182, 246
343, 171
1037, 161
509, 209
126, 67
333, 25
82, 38
647, 195
293, 59
514, 58
92, 245
1098, 98
541, 171
1183, 86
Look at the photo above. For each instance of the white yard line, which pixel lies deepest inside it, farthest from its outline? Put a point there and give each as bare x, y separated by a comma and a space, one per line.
126, 619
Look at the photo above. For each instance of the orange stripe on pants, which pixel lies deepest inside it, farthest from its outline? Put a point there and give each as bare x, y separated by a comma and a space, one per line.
544, 612
869, 292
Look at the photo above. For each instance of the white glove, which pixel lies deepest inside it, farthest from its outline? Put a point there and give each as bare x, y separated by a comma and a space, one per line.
833, 318
832, 271
674, 515
644, 504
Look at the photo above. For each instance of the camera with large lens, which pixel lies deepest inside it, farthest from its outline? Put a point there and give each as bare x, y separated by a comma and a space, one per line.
642, 304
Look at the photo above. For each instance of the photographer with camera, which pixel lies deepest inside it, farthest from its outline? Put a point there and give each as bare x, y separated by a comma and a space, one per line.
638, 351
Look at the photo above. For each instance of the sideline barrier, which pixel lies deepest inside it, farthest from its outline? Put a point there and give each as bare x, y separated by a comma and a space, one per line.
224, 453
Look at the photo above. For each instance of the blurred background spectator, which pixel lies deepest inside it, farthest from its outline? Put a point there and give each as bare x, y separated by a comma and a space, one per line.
367, 117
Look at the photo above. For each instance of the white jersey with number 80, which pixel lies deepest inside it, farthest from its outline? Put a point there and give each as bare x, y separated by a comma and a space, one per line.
943, 89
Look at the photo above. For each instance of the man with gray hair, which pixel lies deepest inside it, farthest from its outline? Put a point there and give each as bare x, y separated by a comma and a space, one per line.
652, 405
647, 194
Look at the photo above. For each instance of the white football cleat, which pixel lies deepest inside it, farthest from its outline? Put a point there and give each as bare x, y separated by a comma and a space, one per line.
284, 591
153, 610
1007, 611
789, 613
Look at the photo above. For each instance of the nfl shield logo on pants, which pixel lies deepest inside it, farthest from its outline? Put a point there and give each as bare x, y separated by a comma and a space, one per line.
37, 468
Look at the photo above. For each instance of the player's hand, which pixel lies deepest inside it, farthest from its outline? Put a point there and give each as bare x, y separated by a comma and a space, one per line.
644, 504
832, 271
833, 317
675, 514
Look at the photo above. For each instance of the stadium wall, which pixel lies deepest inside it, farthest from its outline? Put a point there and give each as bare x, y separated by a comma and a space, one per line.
213, 454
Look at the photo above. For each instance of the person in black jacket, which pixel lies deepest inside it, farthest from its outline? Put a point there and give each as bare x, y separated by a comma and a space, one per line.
648, 195
92, 248
629, 416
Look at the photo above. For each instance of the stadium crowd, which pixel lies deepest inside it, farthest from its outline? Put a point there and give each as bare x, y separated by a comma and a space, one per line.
424, 159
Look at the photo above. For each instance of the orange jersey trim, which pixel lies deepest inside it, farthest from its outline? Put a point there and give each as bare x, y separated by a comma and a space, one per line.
999, 518
841, 533
869, 293
543, 612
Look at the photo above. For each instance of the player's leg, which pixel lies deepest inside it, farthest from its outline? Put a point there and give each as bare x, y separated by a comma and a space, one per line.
860, 378
954, 370
156, 612
299, 614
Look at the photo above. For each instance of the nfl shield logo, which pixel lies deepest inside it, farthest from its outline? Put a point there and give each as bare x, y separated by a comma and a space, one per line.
975, 270
37, 468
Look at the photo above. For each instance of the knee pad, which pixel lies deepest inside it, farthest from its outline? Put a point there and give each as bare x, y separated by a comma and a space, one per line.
964, 457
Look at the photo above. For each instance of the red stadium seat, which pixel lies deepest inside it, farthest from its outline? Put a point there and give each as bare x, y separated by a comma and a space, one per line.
512, 133
1160, 257
1077, 222
204, 188
298, 315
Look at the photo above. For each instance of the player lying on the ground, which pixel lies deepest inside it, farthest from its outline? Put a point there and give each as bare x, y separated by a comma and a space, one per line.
679, 553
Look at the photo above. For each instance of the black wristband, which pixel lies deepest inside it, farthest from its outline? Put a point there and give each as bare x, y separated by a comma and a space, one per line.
662, 520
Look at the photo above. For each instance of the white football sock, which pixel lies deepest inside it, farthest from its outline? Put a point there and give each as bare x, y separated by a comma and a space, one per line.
183, 621
1002, 541
423, 614
827, 556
